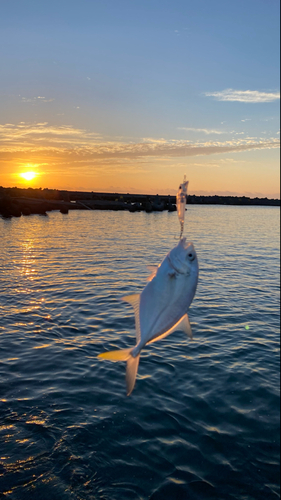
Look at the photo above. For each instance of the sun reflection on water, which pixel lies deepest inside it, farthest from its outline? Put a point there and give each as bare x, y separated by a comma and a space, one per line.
28, 270
28, 260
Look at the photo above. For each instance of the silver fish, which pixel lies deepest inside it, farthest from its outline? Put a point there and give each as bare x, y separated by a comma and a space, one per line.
161, 308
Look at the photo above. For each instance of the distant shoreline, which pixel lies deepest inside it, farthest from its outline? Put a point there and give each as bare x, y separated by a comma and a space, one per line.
25, 201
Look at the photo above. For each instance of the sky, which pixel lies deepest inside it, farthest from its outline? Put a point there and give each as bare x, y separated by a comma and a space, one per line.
129, 96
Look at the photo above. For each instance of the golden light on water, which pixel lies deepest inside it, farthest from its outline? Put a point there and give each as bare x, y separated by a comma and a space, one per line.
28, 176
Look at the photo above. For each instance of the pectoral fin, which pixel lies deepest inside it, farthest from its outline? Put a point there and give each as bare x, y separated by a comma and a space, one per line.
172, 274
134, 300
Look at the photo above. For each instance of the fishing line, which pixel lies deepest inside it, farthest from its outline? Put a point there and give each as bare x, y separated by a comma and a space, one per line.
181, 233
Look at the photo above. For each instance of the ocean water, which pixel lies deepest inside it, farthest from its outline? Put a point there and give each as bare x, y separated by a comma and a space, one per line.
203, 419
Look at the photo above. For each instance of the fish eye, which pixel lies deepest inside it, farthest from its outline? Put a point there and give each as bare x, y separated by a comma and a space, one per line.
191, 256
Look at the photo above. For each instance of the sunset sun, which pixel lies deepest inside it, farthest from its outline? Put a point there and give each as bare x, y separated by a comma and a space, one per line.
28, 176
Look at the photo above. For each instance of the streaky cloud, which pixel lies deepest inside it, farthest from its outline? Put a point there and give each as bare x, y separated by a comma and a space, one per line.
75, 142
247, 96
206, 131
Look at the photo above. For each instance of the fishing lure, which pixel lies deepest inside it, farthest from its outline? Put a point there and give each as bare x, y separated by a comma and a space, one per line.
181, 202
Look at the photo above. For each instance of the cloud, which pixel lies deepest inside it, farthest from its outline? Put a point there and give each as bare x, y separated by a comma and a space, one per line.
251, 96
75, 143
35, 100
32, 133
204, 130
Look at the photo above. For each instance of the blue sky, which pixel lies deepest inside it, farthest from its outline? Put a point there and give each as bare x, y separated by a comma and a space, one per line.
135, 94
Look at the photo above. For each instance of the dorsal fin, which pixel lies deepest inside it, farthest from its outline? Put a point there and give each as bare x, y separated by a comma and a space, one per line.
153, 271
134, 300
183, 325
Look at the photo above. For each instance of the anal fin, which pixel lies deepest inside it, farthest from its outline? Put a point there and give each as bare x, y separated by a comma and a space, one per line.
184, 325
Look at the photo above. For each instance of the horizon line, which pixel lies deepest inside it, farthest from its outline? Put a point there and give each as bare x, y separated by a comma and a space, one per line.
138, 194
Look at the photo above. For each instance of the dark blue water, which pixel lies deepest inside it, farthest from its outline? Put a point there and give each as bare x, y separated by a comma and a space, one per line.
203, 420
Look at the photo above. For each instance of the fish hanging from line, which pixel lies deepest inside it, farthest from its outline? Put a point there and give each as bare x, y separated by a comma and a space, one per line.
181, 202
161, 308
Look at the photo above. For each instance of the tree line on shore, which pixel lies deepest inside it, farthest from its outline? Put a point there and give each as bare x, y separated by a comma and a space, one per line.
25, 201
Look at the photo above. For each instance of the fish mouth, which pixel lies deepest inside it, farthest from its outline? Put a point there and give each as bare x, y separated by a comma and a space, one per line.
187, 244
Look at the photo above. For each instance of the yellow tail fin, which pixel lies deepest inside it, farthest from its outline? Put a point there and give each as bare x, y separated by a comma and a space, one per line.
120, 355
132, 364
131, 372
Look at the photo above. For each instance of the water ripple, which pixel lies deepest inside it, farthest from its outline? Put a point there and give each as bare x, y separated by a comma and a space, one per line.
203, 420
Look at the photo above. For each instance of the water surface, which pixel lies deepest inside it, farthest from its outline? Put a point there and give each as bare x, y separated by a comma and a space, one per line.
203, 420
